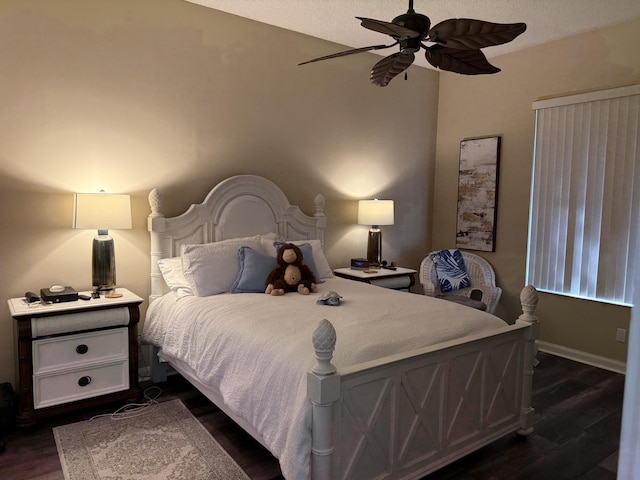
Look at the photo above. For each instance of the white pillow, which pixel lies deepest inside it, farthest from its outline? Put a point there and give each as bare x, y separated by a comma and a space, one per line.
272, 237
171, 269
324, 270
320, 260
211, 268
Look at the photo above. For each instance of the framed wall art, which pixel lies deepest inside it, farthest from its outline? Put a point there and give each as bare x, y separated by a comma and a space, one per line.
478, 193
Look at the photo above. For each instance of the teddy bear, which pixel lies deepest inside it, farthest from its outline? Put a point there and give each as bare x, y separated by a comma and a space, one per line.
291, 275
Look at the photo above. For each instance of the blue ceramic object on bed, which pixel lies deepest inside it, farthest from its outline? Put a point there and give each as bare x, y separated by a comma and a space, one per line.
330, 298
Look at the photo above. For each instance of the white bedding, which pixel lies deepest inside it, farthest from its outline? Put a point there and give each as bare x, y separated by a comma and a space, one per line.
254, 347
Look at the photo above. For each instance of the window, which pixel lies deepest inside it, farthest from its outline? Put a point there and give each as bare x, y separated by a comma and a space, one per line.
584, 225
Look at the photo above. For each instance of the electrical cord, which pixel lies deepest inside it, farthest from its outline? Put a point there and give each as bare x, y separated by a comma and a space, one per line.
135, 409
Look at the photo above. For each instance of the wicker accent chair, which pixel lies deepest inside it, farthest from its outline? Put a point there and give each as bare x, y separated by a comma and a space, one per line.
483, 279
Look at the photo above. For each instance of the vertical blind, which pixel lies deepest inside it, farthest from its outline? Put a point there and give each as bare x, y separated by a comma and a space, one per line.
584, 226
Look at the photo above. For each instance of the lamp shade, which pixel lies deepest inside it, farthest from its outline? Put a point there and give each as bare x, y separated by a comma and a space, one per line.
102, 211
375, 212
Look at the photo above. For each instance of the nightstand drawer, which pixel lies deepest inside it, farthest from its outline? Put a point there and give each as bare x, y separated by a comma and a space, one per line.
51, 354
54, 389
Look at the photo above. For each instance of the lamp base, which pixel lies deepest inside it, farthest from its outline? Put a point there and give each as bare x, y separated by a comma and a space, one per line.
103, 264
374, 247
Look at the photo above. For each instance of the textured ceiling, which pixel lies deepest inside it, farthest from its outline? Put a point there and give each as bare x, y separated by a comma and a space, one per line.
334, 20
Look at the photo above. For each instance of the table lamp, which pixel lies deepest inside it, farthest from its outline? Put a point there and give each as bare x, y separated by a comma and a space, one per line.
104, 212
375, 213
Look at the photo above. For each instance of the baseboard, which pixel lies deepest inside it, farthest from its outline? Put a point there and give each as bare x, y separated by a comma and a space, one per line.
583, 357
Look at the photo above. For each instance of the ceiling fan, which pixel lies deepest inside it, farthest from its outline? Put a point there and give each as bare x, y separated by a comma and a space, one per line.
457, 43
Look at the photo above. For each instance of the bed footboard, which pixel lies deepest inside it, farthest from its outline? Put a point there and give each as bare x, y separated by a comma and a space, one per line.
405, 416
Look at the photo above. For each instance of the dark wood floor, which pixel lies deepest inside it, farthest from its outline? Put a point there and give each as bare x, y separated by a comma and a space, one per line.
578, 415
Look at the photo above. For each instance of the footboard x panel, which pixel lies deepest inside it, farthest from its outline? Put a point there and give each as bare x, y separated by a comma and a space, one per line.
416, 414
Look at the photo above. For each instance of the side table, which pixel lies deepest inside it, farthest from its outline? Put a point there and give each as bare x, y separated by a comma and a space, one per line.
76, 354
398, 279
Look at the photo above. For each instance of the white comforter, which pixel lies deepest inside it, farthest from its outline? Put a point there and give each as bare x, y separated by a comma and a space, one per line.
256, 349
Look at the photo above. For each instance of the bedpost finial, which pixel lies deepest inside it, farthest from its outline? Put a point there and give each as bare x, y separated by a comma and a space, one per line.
324, 343
529, 302
155, 202
529, 297
319, 202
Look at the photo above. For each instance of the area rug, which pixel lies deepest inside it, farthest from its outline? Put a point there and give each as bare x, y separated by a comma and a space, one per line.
162, 442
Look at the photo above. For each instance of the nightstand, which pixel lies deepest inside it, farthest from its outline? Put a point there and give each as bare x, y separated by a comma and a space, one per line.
74, 355
398, 279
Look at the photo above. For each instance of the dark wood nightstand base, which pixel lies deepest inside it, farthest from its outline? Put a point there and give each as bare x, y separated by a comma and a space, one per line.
29, 418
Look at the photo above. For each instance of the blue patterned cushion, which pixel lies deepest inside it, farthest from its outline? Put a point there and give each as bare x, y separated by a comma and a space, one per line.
254, 270
450, 270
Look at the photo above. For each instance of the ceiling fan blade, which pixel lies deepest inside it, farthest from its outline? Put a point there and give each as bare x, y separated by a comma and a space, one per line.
349, 52
388, 28
467, 33
386, 69
466, 62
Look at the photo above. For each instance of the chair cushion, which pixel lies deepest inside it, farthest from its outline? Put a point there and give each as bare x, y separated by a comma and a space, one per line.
466, 301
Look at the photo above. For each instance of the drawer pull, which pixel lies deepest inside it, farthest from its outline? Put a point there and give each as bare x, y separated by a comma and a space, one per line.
84, 381
82, 349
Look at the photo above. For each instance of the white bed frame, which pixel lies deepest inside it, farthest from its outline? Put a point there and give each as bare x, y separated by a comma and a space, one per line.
399, 417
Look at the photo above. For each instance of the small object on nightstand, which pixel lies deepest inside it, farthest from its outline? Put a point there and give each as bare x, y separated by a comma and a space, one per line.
82, 296
31, 297
359, 263
112, 295
59, 294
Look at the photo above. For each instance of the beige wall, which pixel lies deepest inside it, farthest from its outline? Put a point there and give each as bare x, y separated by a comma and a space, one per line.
501, 104
128, 95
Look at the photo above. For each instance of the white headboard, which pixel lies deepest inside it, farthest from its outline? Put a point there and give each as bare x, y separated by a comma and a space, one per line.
239, 206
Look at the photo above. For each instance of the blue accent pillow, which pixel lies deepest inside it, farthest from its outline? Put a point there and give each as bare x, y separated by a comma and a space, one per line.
450, 270
307, 256
254, 270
